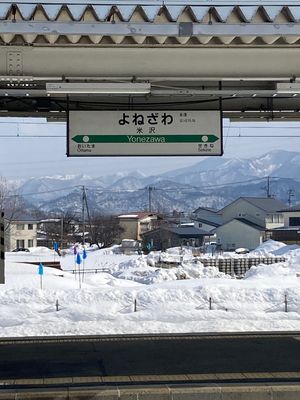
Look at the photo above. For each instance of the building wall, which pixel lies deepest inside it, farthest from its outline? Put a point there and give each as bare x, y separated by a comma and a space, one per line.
131, 229
274, 220
14, 234
202, 225
288, 215
243, 209
235, 234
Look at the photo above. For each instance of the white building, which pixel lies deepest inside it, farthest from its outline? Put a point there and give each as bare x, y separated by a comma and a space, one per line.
290, 232
21, 233
240, 233
135, 224
263, 211
247, 220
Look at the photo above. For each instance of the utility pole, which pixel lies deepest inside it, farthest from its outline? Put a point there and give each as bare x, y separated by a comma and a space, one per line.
291, 193
150, 188
268, 188
61, 230
89, 217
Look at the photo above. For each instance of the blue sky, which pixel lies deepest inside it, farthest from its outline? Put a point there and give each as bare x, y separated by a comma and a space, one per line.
25, 153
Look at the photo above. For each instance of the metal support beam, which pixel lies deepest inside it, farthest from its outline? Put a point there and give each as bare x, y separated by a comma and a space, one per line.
148, 29
142, 62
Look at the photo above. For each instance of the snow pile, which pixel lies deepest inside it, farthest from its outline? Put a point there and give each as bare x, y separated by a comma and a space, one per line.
285, 250
267, 248
139, 270
104, 302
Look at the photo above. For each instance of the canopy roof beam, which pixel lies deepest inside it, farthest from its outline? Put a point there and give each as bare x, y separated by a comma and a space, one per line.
182, 29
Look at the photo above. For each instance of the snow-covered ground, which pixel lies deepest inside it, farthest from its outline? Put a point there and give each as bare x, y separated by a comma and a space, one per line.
104, 304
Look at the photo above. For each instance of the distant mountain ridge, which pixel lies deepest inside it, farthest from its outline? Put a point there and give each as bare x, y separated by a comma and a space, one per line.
213, 182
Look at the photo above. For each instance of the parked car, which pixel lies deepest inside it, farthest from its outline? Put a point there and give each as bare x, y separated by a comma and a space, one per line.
20, 249
242, 250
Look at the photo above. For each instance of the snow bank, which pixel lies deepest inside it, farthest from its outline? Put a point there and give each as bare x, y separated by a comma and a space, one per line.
105, 302
267, 248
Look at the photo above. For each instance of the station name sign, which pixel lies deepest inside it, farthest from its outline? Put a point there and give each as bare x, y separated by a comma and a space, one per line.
144, 133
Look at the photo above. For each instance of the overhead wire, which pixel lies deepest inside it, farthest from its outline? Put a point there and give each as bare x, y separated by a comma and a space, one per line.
182, 190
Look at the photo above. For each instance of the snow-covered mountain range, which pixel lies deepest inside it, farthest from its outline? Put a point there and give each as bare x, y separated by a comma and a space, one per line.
212, 182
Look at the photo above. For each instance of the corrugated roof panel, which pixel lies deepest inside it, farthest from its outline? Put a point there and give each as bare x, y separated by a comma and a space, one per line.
295, 12
4, 8
175, 11
126, 11
224, 12
151, 12
248, 12
29, 38
77, 11
96, 39
272, 11
102, 12
52, 10
26, 10
199, 12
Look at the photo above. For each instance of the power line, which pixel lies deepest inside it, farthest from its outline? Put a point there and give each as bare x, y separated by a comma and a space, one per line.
44, 192
146, 189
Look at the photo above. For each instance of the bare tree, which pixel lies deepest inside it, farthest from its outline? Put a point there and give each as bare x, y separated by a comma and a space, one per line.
10, 202
62, 228
105, 230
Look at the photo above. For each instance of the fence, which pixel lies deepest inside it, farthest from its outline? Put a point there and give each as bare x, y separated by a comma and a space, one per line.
238, 266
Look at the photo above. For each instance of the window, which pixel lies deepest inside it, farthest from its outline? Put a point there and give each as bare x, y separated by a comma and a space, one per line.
30, 227
20, 227
20, 243
294, 221
30, 242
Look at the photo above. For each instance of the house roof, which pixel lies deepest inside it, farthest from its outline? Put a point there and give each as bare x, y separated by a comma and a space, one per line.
137, 215
204, 221
181, 231
246, 222
213, 210
267, 204
186, 231
291, 209
23, 218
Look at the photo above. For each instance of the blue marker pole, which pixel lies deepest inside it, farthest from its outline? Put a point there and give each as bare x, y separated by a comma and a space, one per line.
78, 262
84, 256
41, 273
75, 254
55, 248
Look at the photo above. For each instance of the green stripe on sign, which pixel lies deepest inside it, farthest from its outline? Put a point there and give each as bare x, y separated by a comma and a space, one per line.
145, 139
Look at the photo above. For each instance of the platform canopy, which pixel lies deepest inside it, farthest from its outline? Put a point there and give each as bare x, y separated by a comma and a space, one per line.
243, 58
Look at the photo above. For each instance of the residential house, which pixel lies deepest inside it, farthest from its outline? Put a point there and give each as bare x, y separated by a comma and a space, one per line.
289, 233
210, 215
247, 222
173, 236
259, 210
21, 232
136, 224
206, 219
239, 232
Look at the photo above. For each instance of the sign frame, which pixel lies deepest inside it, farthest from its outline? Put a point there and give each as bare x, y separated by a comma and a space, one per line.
220, 153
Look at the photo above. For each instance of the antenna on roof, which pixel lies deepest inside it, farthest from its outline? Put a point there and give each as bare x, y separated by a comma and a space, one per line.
291, 193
